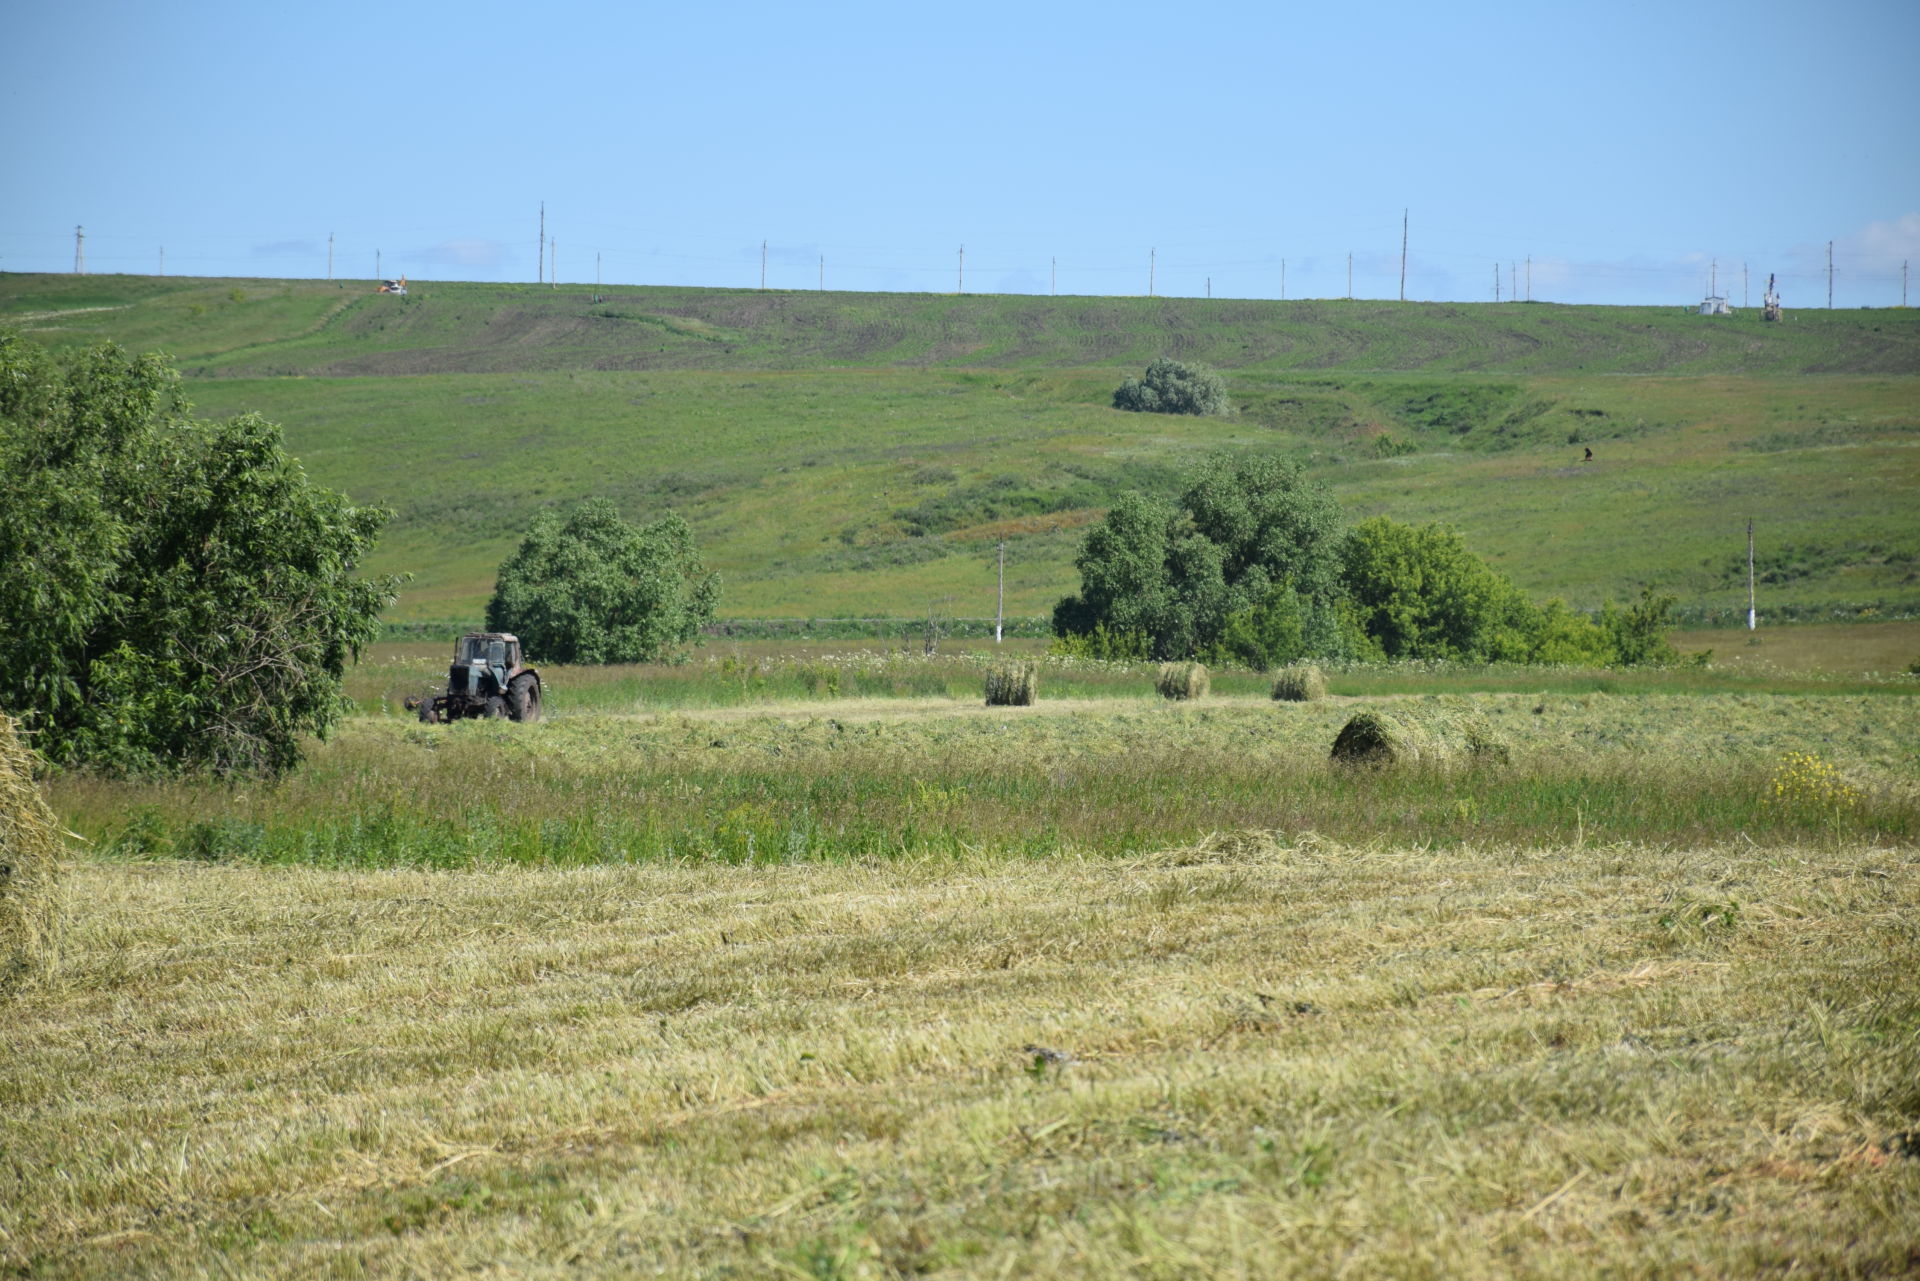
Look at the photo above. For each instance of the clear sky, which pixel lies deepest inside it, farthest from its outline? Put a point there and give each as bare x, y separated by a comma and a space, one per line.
1623, 146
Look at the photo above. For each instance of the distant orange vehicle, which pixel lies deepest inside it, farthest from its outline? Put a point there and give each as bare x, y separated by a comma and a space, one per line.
393, 287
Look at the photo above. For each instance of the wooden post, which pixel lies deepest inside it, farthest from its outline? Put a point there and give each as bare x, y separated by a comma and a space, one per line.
1752, 617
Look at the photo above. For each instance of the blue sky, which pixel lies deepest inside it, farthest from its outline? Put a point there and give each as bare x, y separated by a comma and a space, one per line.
1622, 147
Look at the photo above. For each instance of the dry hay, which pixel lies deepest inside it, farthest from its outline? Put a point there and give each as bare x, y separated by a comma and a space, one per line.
1013, 685
1431, 736
30, 846
1303, 684
1182, 680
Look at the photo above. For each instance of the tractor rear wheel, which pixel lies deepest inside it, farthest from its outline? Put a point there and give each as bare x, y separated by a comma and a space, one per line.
427, 715
496, 708
523, 698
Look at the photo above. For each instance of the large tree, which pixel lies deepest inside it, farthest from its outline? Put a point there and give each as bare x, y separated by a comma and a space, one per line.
1247, 537
587, 587
177, 593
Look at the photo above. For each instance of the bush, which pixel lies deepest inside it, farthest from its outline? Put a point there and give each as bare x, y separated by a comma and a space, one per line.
587, 587
1170, 387
1639, 631
1012, 685
178, 594
1421, 594
1182, 681
1303, 684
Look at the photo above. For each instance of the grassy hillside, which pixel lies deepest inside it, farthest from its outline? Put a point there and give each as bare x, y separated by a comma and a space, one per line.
861, 454
275, 328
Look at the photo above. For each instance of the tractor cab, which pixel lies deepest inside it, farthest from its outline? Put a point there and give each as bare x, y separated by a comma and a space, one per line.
483, 663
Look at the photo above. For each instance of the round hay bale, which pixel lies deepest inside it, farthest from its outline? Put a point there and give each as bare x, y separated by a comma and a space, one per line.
1302, 684
1182, 680
1429, 737
1012, 685
30, 847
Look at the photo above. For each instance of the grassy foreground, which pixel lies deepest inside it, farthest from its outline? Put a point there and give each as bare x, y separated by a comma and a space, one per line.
1243, 1058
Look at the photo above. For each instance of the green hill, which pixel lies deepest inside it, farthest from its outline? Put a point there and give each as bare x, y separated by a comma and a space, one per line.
253, 328
862, 454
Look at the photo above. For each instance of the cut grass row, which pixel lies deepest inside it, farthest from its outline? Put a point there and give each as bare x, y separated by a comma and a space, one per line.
1241, 1058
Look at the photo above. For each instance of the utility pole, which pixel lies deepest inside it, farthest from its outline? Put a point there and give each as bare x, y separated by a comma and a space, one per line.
1153, 261
79, 251
1743, 286
596, 269
376, 266
163, 260
1209, 286
1403, 255
1000, 609
1713, 279
540, 259
963, 270
1496, 282
1903, 284
329, 255
1513, 281
1752, 618
1529, 277
1829, 275
763, 266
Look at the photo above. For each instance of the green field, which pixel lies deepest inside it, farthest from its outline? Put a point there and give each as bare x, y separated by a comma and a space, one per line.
791, 958
861, 455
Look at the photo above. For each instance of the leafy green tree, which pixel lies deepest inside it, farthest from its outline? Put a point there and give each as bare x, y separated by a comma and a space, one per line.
1419, 593
1244, 534
587, 587
1639, 631
178, 594
1170, 387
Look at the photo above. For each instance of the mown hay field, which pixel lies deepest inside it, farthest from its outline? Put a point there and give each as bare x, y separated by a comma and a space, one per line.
1245, 1057
782, 982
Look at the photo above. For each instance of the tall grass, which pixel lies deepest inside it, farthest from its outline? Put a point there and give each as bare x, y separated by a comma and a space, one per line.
858, 780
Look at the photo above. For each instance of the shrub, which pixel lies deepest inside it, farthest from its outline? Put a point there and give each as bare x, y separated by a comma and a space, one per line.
1101, 642
1301, 684
1182, 680
1170, 387
1639, 631
1012, 685
587, 587
1421, 594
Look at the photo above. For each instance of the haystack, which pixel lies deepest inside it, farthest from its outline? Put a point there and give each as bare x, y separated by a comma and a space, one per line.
1182, 680
1428, 737
30, 846
1302, 684
1012, 685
